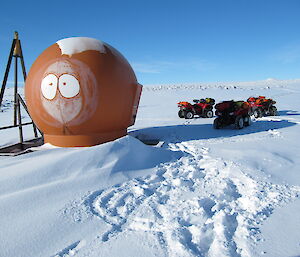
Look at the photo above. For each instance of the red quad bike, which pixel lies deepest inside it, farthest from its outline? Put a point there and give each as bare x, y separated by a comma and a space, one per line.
262, 106
202, 108
232, 112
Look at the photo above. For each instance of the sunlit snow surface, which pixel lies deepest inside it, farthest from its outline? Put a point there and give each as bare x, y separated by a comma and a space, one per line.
204, 192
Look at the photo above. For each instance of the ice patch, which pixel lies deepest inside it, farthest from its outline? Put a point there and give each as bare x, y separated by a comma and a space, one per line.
75, 45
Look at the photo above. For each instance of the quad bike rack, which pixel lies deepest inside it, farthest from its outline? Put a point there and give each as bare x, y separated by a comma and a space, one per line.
23, 146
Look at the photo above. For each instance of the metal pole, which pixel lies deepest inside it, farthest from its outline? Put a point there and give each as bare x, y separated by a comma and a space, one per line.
20, 123
20, 98
16, 90
22, 62
34, 130
7, 70
34, 126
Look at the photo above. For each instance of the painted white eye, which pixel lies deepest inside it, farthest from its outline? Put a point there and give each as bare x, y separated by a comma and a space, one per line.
49, 86
68, 85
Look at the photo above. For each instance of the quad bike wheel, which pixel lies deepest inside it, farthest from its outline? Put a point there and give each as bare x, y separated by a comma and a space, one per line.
257, 113
180, 114
209, 114
189, 115
273, 111
239, 122
247, 120
217, 123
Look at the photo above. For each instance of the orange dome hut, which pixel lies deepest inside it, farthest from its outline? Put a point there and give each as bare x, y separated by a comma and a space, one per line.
82, 92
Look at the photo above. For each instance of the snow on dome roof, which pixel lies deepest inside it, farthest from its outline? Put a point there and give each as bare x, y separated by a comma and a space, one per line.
75, 45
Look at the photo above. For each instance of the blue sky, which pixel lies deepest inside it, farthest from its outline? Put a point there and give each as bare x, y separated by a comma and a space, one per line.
168, 41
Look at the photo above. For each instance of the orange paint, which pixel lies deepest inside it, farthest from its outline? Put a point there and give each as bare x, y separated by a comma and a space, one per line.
83, 99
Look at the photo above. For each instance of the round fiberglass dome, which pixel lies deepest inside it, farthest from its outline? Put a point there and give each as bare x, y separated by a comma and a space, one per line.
82, 92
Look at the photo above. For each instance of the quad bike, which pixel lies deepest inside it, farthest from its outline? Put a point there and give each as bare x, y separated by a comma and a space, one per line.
232, 112
262, 106
202, 108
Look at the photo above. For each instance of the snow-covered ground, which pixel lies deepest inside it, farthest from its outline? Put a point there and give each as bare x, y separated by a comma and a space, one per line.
203, 192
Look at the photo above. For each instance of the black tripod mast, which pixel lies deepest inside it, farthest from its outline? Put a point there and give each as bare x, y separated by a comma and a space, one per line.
16, 53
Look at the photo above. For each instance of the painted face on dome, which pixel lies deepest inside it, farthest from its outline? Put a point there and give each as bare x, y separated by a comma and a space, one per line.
61, 92
67, 85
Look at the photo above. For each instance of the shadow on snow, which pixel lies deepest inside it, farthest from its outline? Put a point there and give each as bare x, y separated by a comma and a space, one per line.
288, 112
179, 133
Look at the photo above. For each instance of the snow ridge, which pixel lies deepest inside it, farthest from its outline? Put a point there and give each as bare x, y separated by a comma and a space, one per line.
252, 85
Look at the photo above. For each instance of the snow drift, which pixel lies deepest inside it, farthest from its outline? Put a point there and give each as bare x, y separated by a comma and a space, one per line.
204, 192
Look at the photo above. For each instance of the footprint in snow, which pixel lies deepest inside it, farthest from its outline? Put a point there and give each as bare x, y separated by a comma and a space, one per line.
192, 215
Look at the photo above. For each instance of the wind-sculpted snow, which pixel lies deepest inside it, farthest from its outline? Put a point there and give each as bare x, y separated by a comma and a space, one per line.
196, 206
199, 192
